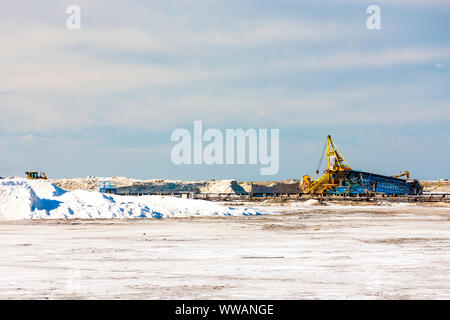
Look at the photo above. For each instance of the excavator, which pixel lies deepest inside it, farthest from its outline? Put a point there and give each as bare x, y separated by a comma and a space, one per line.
35, 175
340, 179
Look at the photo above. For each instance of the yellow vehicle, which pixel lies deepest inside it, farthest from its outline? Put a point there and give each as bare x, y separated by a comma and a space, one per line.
35, 175
336, 164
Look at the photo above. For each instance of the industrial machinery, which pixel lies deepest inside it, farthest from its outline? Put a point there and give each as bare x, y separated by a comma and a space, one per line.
404, 173
340, 179
35, 175
107, 186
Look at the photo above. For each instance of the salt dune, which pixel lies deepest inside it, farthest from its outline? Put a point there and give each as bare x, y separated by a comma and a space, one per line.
39, 199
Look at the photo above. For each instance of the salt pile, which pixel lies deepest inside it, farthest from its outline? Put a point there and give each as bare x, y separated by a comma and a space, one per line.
128, 185
39, 199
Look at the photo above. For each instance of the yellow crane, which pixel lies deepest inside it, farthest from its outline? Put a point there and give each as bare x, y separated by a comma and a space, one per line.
339, 179
335, 163
404, 173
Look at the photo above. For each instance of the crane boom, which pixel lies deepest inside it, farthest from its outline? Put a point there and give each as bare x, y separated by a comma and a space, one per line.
402, 174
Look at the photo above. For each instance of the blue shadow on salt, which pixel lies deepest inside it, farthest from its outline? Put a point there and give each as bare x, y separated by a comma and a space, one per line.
58, 191
108, 198
47, 205
157, 215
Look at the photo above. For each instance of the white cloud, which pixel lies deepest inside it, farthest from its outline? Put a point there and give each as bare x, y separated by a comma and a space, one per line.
56, 78
401, 3
27, 136
42, 57
360, 59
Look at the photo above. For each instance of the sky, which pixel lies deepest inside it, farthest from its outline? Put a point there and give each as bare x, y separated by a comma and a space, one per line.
103, 100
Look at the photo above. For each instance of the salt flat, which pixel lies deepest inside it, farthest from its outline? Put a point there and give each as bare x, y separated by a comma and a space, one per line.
315, 254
